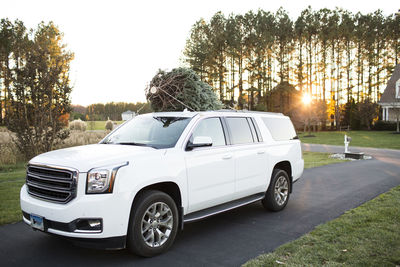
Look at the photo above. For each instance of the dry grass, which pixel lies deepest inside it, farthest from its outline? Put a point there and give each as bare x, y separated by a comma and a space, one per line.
10, 155
79, 138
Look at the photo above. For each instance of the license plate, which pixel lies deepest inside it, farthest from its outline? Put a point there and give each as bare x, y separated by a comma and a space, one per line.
37, 222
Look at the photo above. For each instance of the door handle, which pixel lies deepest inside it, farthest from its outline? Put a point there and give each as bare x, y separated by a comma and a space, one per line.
227, 156
261, 152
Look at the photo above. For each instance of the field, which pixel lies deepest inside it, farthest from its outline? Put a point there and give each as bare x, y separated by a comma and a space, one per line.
365, 236
99, 125
9, 154
377, 139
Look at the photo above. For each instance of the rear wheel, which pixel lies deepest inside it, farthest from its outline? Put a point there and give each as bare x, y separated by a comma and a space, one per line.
277, 195
153, 224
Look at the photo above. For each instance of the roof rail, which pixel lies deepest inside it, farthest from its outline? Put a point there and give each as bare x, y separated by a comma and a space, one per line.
249, 111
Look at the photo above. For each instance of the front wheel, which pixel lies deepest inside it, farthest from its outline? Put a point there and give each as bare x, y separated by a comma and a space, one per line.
153, 225
277, 195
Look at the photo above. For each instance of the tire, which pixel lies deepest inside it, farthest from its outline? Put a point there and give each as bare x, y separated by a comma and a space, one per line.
277, 195
155, 214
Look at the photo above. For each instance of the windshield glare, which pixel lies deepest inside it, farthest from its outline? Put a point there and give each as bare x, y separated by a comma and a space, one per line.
156, 132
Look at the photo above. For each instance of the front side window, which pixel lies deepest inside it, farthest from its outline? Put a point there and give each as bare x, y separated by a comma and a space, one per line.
210, 127
152, 131
240, 130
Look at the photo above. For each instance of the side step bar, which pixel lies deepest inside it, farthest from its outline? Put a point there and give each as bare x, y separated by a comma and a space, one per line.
198, 215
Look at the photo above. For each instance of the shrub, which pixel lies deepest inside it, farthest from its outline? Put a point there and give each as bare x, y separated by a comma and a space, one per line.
109, 125
384, 126
77, 125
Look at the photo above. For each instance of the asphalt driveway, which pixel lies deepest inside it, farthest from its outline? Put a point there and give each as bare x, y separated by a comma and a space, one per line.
232, 238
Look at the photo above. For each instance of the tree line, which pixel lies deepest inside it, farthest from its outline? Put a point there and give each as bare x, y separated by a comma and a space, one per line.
336, 56
111, 110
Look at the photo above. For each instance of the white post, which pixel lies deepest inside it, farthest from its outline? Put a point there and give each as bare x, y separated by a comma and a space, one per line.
384, 114
387, 114
346, 144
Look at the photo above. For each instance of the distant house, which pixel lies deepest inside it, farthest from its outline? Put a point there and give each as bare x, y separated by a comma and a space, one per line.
127, 115
390, 100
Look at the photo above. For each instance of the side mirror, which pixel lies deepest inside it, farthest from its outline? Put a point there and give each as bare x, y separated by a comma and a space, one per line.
199, 141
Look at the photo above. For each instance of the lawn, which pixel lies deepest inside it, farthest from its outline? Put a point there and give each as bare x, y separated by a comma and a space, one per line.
12, 177
365, 236
315, 159
98, 125
377, 139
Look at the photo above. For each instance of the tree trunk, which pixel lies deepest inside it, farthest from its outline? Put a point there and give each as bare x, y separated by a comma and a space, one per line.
240, 99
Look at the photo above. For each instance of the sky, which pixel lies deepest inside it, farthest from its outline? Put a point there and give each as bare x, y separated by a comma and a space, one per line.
120, 45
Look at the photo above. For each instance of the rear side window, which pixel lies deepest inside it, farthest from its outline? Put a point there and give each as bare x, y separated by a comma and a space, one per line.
240, 130
281, 128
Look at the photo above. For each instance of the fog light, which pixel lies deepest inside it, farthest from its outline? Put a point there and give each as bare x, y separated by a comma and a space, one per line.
94, 223
88, 226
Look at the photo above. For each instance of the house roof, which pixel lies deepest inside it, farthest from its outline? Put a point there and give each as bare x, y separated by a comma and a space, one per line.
128, 112
388, 95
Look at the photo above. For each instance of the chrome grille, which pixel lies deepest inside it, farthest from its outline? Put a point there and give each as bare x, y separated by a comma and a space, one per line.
51, 183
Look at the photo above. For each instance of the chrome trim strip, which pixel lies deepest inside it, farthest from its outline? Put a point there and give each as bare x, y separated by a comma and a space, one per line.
53, 188
50, 199
87, 231
69, 181
52, 167
28, 222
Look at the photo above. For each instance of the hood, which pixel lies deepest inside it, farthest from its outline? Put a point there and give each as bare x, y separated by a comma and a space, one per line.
84, 158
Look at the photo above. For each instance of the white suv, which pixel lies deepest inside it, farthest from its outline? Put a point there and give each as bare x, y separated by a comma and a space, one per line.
144, 180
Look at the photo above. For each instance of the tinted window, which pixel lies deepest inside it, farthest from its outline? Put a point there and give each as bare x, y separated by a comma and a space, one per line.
157, 132
210, 127
240, 130
281, 128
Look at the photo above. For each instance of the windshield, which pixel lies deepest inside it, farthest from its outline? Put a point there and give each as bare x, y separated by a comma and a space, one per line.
156, 132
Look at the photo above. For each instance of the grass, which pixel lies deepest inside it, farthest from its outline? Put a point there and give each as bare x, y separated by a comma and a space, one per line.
98, 125
315, 159
12, 177
377, 139
365, 236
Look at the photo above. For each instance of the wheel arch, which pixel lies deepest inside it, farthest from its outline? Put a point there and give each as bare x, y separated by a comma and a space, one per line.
287, 167
170, 188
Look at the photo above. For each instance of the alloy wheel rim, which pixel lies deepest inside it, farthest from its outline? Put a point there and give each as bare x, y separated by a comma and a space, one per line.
157, 223
281, 190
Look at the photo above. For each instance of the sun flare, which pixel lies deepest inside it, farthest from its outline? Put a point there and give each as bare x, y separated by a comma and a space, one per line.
306, 98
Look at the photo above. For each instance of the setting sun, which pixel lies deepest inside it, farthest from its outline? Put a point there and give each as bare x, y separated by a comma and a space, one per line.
306, 98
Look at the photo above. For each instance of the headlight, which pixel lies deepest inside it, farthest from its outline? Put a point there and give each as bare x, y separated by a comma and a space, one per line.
101, 180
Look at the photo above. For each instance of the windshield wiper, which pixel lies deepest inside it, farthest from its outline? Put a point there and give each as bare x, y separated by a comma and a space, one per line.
132, 144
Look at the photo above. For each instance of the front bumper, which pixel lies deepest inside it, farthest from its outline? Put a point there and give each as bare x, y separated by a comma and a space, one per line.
113, 210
